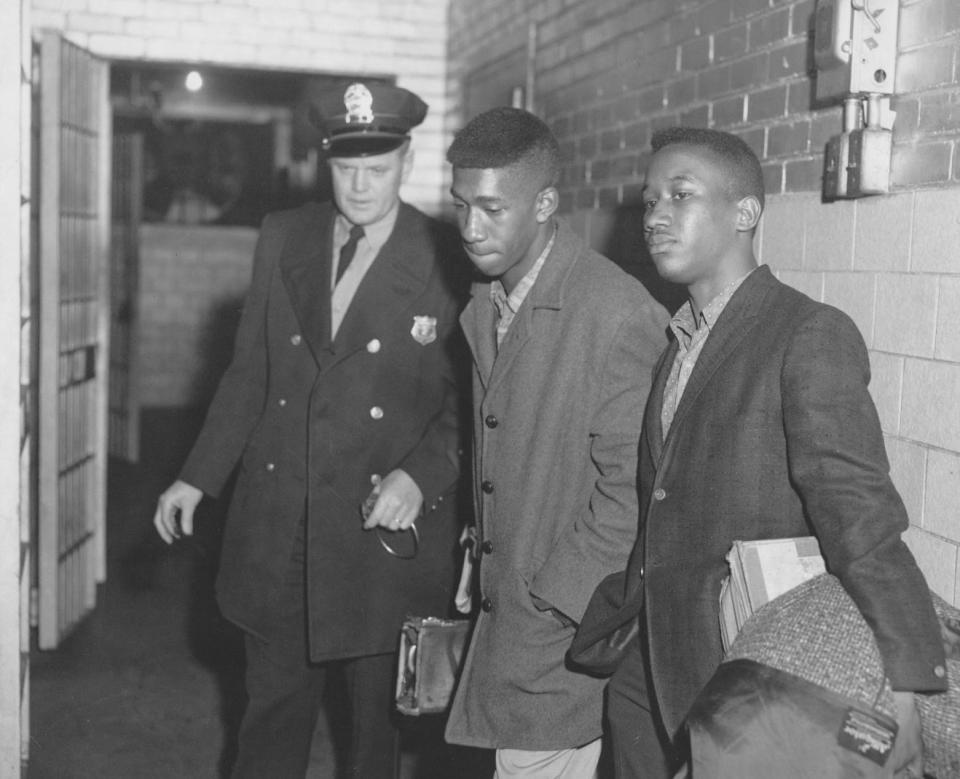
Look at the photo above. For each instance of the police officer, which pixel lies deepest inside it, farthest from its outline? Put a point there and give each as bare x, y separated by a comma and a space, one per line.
340, 410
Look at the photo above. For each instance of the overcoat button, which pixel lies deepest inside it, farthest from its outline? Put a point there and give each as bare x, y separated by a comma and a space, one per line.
486, 604
491, 421
282, 402
487, 547
939, 671
295, 339
374, 346
659, 493
376, 412
270, 467
487, 486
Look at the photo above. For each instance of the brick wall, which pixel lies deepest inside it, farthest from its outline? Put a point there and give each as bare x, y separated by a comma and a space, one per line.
606, 73
402, 38
609, 72
927, 132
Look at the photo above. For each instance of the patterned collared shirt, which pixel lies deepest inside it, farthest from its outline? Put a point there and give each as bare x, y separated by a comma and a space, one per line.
508, 305
691, 334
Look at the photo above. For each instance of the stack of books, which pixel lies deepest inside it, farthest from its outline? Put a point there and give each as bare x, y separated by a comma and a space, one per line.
759, 572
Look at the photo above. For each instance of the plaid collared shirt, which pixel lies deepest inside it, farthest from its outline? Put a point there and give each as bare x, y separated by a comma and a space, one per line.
508, 305
691, 333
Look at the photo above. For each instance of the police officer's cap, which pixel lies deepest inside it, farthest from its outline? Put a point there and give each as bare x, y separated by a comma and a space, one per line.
364, 119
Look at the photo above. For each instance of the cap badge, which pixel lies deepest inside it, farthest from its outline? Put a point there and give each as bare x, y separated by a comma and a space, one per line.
359, 104
424, 329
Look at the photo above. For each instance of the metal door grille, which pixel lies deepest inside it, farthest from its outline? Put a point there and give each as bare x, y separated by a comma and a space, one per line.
72, 244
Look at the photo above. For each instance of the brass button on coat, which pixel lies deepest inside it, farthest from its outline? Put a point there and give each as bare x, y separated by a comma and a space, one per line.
486, 604
376, 412
373, 346
659, 494
491, 421
295, 339
487, 486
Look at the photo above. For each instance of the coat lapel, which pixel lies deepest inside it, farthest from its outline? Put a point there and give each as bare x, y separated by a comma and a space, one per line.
397, 276
652, 422
547, 294
478, 321
305, 270
515, 339
740, 314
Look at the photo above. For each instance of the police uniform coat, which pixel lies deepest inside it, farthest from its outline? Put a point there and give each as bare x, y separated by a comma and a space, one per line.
309, 420
775, 436
557, 417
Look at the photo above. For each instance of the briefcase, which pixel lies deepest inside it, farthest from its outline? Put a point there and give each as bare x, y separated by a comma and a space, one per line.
430, 656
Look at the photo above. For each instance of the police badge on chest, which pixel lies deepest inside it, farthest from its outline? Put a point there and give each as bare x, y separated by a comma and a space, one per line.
424, 329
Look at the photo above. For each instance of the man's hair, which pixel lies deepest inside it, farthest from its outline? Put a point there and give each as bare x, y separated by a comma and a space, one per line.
502, 137
740, 163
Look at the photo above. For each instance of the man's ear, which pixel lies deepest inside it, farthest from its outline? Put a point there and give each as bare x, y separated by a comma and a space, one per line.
547, 202
407, 164
748, 213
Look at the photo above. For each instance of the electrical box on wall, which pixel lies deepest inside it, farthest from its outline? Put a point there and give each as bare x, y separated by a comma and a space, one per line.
855, 47
855, 51
868, 162
832, 45
836, 159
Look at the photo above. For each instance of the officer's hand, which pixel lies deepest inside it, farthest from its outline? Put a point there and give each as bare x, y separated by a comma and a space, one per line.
398, 503
175, 509
907, 756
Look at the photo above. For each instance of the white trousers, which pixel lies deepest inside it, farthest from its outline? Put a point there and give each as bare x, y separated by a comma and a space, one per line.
580, 763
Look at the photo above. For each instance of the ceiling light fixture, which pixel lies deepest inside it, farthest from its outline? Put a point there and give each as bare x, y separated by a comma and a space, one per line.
194, 81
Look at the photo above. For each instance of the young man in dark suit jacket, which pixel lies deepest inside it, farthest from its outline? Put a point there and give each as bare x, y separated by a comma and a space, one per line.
342, 386
759, 425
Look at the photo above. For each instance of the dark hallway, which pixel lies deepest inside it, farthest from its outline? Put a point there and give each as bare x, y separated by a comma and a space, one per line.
150, 686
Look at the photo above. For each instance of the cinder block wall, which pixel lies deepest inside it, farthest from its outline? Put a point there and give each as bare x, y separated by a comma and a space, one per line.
607, 73
192, 284
402, 38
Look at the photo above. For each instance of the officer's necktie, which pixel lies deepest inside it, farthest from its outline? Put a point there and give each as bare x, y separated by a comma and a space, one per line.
348, 250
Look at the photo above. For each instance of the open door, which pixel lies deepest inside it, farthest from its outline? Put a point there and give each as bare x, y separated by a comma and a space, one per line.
73, 278
127, 200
